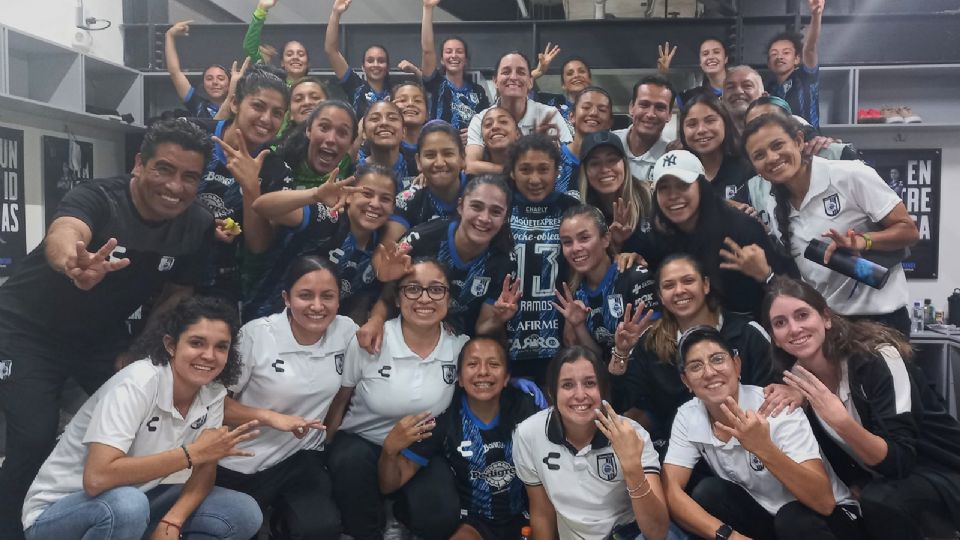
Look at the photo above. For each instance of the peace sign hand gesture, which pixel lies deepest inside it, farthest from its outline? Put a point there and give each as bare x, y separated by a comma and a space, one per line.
750, 428
217, 443
546, 126
620, 229
244, 167
574, 311
633, 325
392, 262
508, 302
544, 60
827, 404
748, 260
334, 193
665, 57
87, 269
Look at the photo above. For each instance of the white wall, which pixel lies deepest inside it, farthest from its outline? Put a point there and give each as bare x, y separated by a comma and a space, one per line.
55, 20
949, 230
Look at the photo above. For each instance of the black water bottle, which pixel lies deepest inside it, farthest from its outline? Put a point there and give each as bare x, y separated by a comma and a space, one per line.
953, 308
848, 264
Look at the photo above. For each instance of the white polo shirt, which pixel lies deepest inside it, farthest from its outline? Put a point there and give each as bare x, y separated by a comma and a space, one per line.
586, 486
692, 438
281, 375
132, 412
397, 382
843, 195
535, 114
641, 167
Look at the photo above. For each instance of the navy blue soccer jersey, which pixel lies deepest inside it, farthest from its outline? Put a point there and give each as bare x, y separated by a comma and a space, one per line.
534, 333
801, 91
481, 456
405, 168
326, 236
359, 93
416, 205
568, 177
608, 300
454, 104
472, 283
199, 106
558, 101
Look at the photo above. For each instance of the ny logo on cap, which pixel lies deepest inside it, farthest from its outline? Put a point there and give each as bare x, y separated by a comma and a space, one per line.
669, 161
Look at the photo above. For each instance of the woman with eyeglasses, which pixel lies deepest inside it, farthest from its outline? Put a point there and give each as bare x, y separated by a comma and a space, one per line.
415, 372
770, 481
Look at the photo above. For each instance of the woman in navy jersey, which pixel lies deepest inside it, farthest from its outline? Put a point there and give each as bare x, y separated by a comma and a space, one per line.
534, 333
292, 365
605, 309
376, 66
453, 97
411, 99
216, 79
322, 226
575, 77
475, 437
383, 133
592, 112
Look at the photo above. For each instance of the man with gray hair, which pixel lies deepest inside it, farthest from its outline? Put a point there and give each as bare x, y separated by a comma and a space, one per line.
742, 86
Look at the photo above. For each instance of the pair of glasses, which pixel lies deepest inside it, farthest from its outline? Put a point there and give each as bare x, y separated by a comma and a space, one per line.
413, 291
717, 361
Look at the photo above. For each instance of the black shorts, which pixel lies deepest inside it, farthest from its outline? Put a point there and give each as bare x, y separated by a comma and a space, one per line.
491, 530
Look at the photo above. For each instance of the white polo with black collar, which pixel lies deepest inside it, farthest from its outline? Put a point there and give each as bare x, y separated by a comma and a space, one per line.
586, 486
397, 382
281, 375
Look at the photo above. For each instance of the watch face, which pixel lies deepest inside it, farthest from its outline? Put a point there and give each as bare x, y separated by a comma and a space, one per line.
724, 532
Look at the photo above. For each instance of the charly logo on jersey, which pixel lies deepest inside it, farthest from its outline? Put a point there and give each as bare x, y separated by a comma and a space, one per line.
480, 285
338, 363
462, 449
151, 424
166, 263
547, 461
449, 373
385, 371
278, 366
615, 305
214, 204
498, 474
607, 466
755, 462
199, 422
831, 205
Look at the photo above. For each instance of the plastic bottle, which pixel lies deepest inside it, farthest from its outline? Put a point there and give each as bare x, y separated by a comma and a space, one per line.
863, 270
526, 533
917, 318
929, 313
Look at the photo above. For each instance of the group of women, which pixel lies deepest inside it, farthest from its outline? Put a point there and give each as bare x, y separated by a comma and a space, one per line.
417, 268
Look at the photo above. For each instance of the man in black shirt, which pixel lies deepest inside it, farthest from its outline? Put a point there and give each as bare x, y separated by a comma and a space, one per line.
63, 312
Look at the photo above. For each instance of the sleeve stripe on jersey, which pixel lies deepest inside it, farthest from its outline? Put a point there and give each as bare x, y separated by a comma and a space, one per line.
760, 329
416, 458
651, 470
901, 380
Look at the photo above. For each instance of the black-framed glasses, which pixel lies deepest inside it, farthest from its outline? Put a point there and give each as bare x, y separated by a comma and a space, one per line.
718, 362
413, 291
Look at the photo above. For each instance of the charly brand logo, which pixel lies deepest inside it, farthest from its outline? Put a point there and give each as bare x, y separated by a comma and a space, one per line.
151, 424
278, 365
462, 449
551, 456
755, 462
166, 263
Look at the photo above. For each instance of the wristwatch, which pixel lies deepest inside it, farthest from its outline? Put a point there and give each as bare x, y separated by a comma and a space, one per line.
724, 532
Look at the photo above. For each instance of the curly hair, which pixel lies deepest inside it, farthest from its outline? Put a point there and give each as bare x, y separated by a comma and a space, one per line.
184, 315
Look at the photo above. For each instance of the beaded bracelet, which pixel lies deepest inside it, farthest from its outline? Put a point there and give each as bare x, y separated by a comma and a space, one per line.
186, 453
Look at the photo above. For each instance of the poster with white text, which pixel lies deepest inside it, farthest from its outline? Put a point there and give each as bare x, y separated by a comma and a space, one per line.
13, 237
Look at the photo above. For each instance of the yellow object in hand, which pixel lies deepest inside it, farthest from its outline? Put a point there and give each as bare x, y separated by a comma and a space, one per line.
231, 226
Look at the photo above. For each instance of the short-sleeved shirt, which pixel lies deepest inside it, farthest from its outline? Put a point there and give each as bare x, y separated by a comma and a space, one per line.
40, 302
454, 104
360, 95
397, 383
416, 205
641, 167
568, 177
586, 486
534, 333
327, 236
473, 283
199, 106
405, 168
843, 195
134, 413
692, 439
481, 455
609, 299
801, 91
534, 115
284, 376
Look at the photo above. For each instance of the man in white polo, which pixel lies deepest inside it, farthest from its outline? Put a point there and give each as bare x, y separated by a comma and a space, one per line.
650, 109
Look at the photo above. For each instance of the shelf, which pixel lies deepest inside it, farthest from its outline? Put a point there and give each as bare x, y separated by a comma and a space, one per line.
42, 71
891, 127
112, 87
45, 110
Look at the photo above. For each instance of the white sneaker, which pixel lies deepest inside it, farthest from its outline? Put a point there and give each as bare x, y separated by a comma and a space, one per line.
907, 114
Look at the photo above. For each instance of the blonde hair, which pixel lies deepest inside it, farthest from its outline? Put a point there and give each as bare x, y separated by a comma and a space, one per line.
635, 193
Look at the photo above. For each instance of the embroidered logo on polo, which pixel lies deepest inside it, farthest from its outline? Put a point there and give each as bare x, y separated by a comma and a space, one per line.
449, 373
278, 365
607, 466
199, 422
755, 462
498, 474
831, 205
150, 424
6, 368
385, 371
338, 363
552, 466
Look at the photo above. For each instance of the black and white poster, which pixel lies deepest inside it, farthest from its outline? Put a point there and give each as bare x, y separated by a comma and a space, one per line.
915, 176
13, 236
66, 163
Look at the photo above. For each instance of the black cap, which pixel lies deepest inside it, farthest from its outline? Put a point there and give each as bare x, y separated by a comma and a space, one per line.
600, 138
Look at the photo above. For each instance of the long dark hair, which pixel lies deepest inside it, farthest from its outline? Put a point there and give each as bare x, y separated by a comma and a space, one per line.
185, 314
662, 336
261, 77
530, 143
731, 142
440, 126
844, 338
570, 355
302, 266
293, 147
503, 240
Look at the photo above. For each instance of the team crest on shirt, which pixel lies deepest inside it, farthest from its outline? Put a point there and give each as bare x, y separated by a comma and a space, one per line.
831, 205
731, 192
755, 462
449, 373
615, 305
166, 263
607, 466
480, 285
199, 422
338, 363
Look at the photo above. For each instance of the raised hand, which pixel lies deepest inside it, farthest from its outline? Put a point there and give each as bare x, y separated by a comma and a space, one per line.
244, 167
266, 5
87, 269
750, 428
370, 335
628, 260
544, 60
635, 322
665, 56
850, 242
620, 229
574, 311
217, 443
827, 405
626, 442
392, 261
409, 430
341, 6
408, 67
334, 193
816, 6
509, 300
546, 126
180, 28
748, 260
431, 3
780, 397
